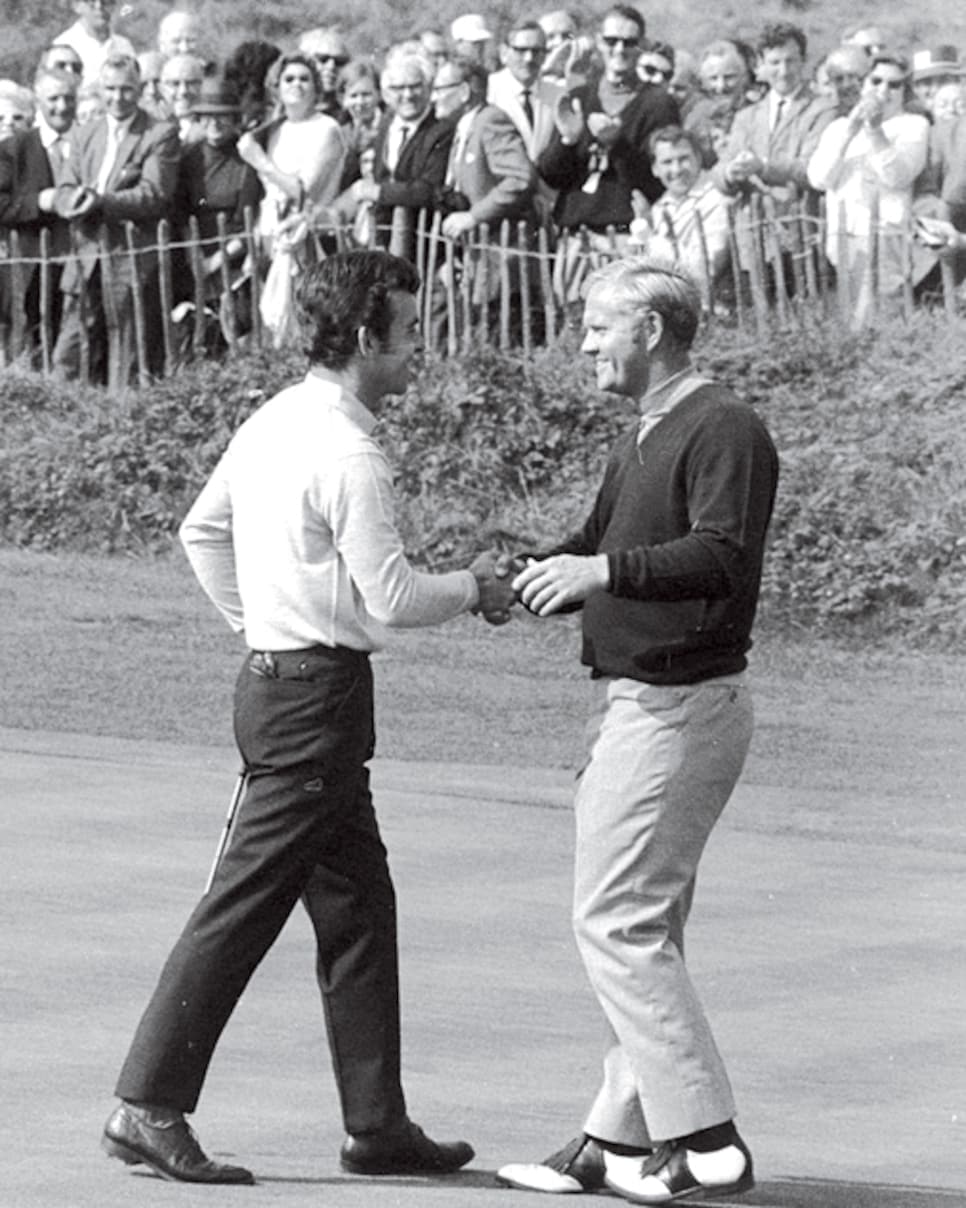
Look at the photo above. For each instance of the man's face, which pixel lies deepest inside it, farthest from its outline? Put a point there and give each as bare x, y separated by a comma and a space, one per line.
13, 117
57, 101
619, 44
559, 28
405, 91
617, 342
676, 166
524, 53
95, 16
449, 91
360, 100
435, 46
65, 58
178, 35
120, 90
654, 68
845, 73
219, 129
181, 79
724, 75
782, 67
394, 356
331, 54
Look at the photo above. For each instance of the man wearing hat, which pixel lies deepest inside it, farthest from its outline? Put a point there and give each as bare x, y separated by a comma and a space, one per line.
215, 182
931, 69
470, 37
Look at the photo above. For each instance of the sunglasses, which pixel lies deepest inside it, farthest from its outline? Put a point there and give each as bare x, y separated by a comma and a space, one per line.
652, 69
610, 41
894, 85
338, 60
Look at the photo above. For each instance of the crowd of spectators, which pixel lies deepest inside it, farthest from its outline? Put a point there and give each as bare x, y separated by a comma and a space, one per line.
601, 130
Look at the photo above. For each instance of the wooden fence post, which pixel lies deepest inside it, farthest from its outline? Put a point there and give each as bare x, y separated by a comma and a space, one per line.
18, 296
523, 254
46, 302
546, 286
505, 285
166, 293
227, 303
137, 303
116, 375
255, 275
429, 331
198, 279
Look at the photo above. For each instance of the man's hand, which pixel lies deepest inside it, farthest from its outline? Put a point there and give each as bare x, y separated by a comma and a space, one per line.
546, 587
569, 117
940, 235
604, 128
744, 165
492, 571
460, 222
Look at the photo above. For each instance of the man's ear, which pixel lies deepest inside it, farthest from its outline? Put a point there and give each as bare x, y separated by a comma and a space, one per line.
366, 341
654, 329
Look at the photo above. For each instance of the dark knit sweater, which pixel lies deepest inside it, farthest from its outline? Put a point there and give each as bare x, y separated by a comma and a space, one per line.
683, 520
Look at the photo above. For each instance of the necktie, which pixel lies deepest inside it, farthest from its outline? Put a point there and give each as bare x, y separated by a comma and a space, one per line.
778, 113
527, 107
404, 134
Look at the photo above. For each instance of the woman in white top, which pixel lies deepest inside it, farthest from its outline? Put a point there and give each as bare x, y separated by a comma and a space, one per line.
297, 154
870, 158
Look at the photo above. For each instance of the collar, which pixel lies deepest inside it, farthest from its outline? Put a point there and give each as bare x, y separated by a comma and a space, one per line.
332, 393
48, 135
666, 395
121, 128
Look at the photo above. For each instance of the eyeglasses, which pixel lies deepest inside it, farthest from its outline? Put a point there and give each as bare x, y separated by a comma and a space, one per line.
610, 41
71, 65
296, 79
338, 60
537, 51
405, 87
436, 88
893, 85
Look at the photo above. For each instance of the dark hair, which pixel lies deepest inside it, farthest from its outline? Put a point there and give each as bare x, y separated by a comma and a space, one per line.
472, 73
675, 135
664, 49
245, 69
343, 293
628, 13
780, 32
523, 25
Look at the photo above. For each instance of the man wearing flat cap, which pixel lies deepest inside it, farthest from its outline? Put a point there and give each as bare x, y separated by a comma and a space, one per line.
932, 69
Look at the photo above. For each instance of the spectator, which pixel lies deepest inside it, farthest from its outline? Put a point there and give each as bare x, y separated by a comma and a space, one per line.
846, 67
931, 69
434, 45
941, 191
298, 154
470, 37
330, 52
598, 153
867, 163
90, 103
772, 140
725, 80
869, 38
518, 88
949, 102
91, 36
685, 83
56, 95
559, 26
411, 148
360, 98
123, 168
179, 33
689, 222
246, 70
62, 57
17, 108
150, 63
181, 80
655, 64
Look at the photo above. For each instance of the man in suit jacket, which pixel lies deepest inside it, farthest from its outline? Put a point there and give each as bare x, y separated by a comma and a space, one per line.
771, 141
122, 168
411, 150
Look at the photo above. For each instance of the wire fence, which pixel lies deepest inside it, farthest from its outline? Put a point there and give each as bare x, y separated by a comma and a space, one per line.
508, 285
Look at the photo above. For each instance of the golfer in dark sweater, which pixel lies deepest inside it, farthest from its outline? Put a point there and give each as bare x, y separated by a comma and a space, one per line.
667, 570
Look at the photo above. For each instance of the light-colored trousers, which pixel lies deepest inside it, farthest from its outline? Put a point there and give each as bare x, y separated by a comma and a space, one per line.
663, 762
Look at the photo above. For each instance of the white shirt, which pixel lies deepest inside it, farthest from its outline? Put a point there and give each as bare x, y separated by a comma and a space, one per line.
294, 536
680, 215
115, 136
92, 52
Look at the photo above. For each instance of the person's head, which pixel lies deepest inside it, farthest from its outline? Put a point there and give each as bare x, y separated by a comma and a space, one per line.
781, 57
639, 315
95, 17
150, 63
296, 84
471, 37
357, 313
179, 33
17, 107
247, 68
406, 81
457, 86
360, 91
685, 81
523, 52
56, 93
559, 26
619, 42
329, 50
675, 159
218, 112
723, 71
845, 69
62, 57
434, 45
180, 83
655, 63
932, 69
120, 86
90, 103
949, 101
888, 82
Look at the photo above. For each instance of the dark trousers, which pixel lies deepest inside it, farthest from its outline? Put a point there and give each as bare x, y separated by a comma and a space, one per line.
305, 829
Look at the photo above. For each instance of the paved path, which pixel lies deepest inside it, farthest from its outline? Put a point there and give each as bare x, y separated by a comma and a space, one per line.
832, 971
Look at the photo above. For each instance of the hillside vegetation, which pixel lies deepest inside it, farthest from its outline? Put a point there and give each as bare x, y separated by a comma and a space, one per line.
869, 533
26, 26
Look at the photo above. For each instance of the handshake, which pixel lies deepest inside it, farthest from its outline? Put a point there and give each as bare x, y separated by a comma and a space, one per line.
494, 573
